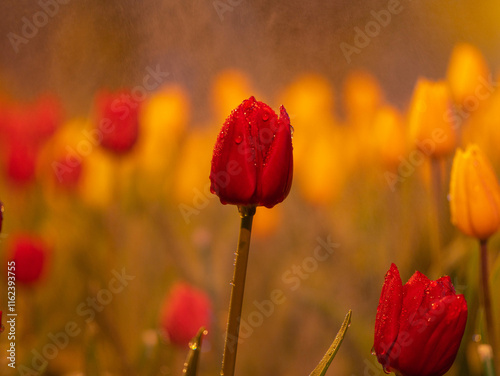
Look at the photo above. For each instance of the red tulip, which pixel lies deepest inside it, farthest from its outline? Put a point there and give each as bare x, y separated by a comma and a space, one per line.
419, 326
185, 311
117, 121
29, 253
252, 162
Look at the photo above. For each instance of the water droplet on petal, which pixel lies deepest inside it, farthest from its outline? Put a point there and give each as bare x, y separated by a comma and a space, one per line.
291, 131
265, 116
238, 139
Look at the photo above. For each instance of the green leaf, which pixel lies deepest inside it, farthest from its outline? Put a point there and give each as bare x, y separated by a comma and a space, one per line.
191, 364
322, 367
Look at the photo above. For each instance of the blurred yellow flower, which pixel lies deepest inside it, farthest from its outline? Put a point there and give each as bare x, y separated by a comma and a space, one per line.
229, 89
431, 128
164, 118
389, 136
309, 97
467, 72
309, 101
322, 169
97, 185
474, 194
362, 97
191, 185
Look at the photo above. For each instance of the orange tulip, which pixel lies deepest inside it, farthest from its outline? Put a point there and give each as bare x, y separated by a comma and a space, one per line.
432, 128
474, 194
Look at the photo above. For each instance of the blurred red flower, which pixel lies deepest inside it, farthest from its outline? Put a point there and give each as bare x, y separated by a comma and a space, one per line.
184, 312
24, 128
29, 252
419, 326
117, 120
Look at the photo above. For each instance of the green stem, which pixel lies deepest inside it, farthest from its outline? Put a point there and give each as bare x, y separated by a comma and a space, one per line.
237, 289
436, 221
490, 330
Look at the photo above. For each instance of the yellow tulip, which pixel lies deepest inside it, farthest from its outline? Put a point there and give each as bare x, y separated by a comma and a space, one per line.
467, 74
431, 124
389, 136
164, 118
229, 89
362, 97
474, 194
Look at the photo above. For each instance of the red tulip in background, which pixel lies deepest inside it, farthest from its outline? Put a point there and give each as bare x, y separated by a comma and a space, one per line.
185, 311
252, 162
419, 325
29, 253
117, 121
24, 129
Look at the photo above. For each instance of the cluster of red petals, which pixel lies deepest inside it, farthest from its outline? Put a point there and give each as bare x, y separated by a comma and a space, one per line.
419, 325
185, 311
117, 117
24, 128
30, 255
252, 163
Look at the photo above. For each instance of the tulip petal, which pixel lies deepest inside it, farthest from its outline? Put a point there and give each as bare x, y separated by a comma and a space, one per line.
438, 289
483, 195
278, 163
388, 313
458, 195
440, 350
233, 175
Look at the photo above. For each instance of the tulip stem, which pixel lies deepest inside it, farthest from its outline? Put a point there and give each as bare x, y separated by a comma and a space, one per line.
486, 297
437, 220
237, 289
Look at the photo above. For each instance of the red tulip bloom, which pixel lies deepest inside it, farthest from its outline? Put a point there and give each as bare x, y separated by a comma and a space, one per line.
29, 253
117, 121
252, 162
419, 326
185, 311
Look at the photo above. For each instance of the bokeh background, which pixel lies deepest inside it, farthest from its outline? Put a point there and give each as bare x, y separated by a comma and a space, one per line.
149, 210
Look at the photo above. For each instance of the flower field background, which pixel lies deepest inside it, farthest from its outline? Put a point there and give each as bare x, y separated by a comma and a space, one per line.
113, 201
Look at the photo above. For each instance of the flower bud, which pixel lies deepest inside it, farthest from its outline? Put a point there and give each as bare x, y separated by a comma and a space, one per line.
467, 70
185, 311
431, 125
419, 325
474, 194
252, 161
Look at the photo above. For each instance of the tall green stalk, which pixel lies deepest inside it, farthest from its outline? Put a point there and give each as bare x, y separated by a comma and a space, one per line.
237, 289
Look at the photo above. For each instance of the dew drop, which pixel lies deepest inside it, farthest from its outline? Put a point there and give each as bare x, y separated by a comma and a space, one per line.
238, 139
265, 116
372, 351
476, 337
291, 131
193, 346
